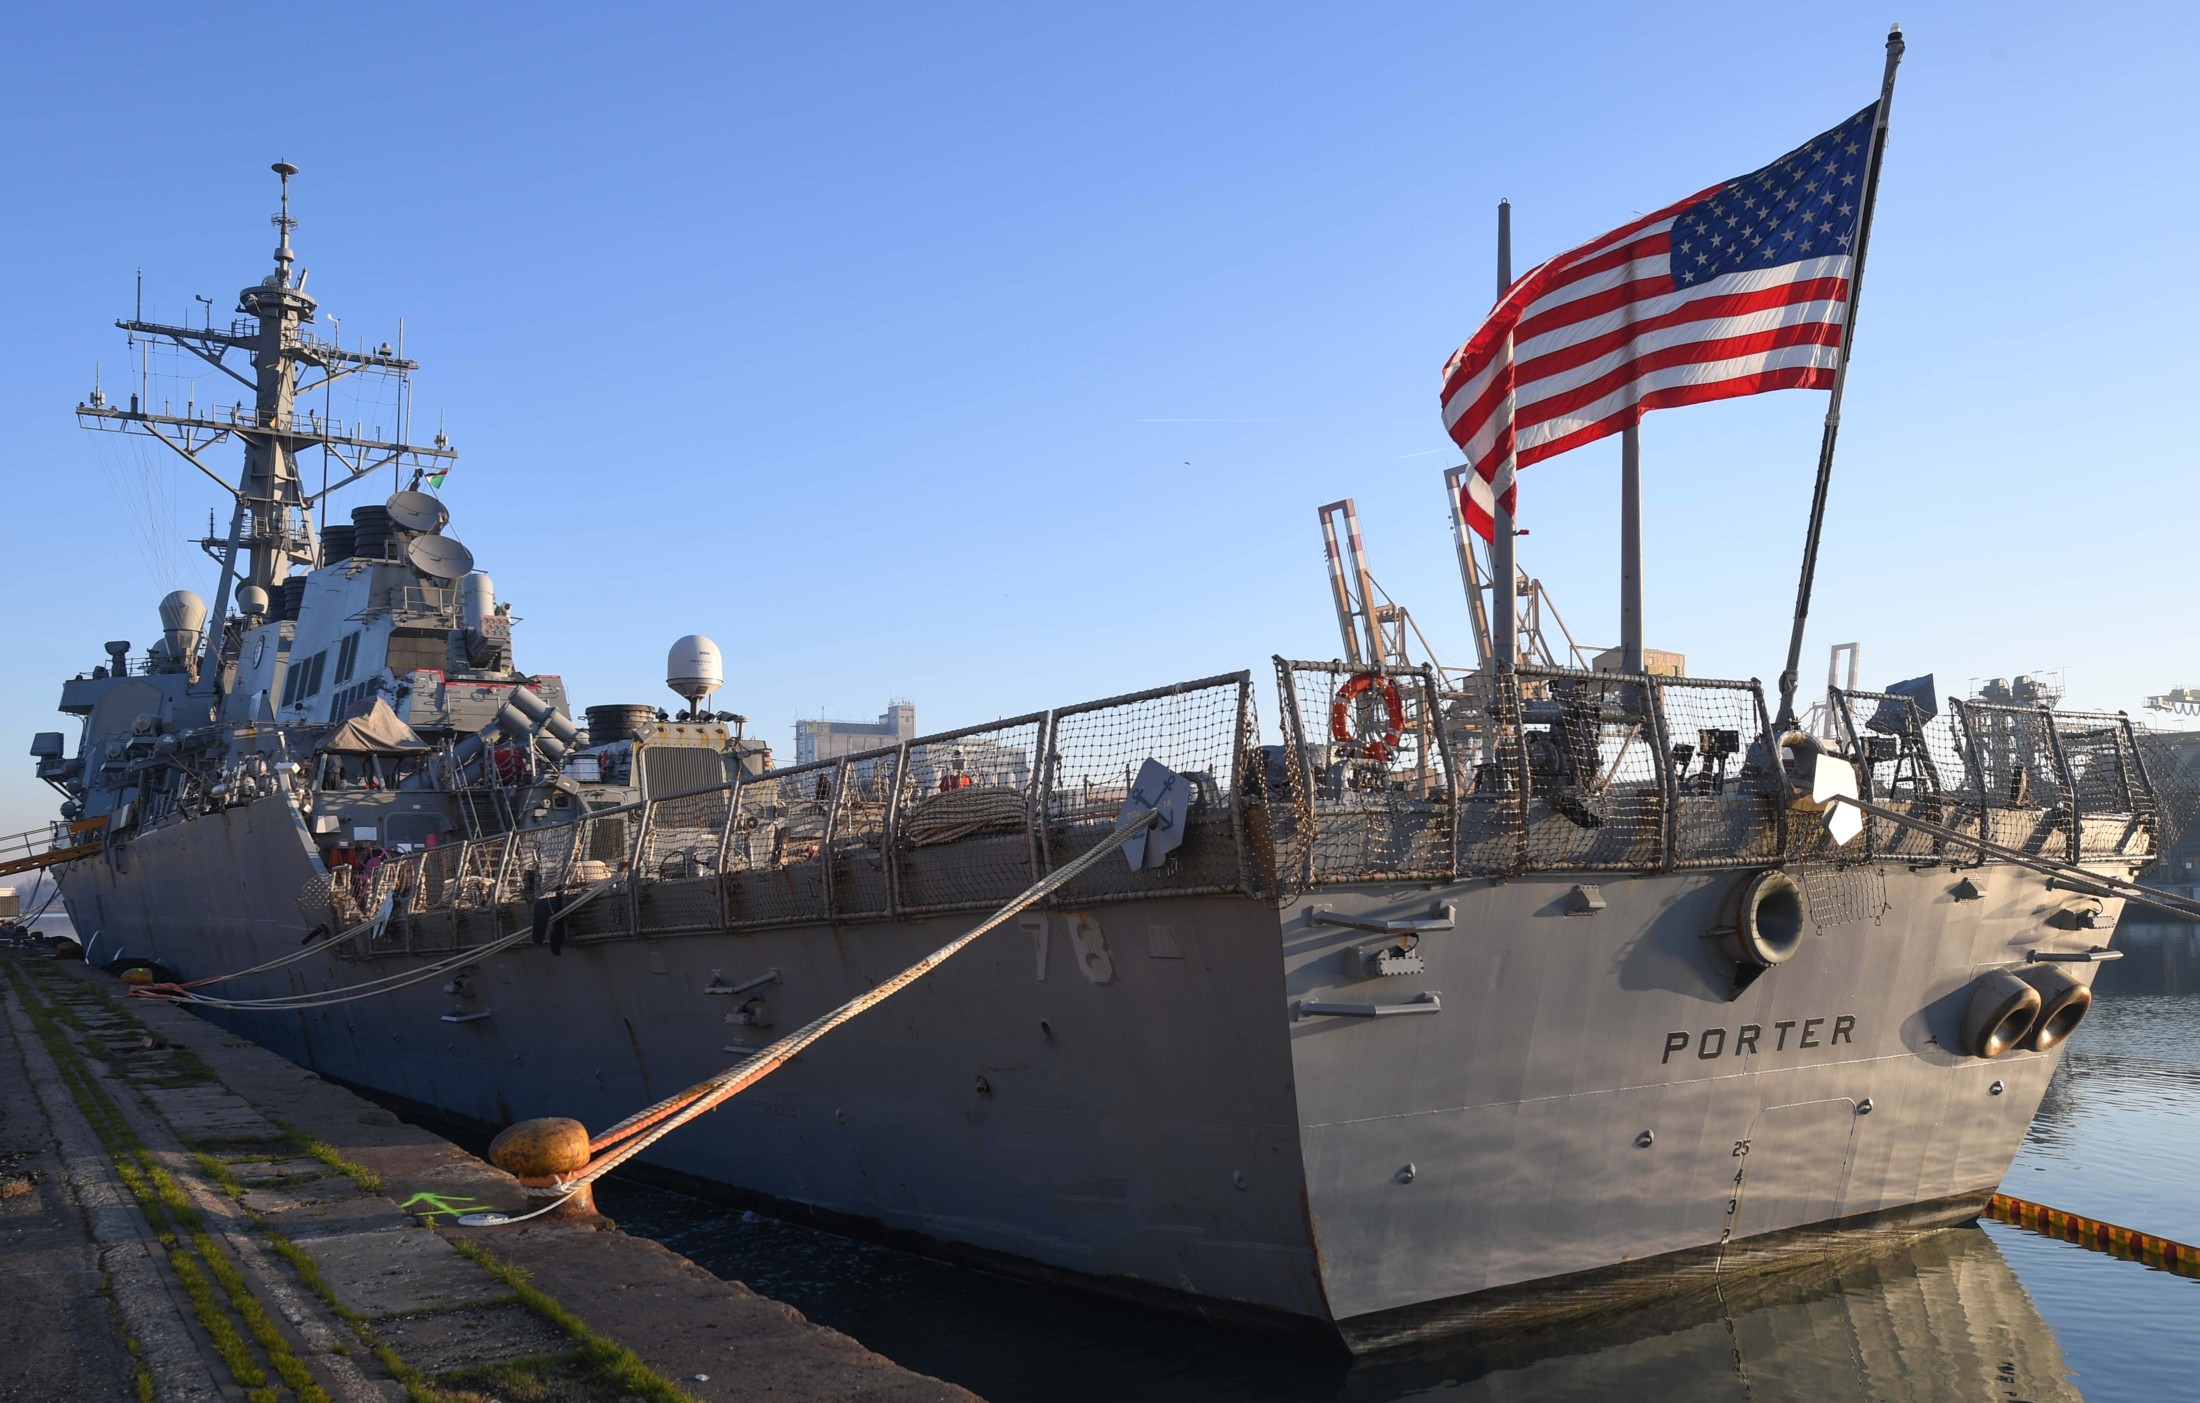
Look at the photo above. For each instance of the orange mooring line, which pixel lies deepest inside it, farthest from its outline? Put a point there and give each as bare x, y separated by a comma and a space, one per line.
2101, 1237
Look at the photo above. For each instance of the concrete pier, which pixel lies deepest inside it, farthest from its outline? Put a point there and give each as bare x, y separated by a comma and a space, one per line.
185, 1216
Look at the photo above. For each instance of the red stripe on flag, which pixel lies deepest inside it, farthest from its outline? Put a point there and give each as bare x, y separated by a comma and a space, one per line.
1542, 411
1474, 357
1645, 246
1478, 521
1493, 398
1600, 244
1564, 314
1731, 304
1793, 377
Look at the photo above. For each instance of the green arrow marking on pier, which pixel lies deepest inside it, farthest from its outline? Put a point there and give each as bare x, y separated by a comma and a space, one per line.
455, 1204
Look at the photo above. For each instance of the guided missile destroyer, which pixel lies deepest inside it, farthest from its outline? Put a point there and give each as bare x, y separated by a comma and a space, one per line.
1453, 1005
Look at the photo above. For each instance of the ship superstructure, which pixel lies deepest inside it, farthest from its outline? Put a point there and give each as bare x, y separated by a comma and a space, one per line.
380, 626
1459, 1002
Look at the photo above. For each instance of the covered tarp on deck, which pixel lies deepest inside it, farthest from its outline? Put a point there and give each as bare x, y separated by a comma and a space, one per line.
376, 731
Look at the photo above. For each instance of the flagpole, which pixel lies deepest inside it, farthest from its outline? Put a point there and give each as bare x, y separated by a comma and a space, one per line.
1630, 550
1504, 587
1788, 675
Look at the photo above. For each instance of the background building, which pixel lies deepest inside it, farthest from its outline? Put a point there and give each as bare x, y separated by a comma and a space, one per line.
829, 740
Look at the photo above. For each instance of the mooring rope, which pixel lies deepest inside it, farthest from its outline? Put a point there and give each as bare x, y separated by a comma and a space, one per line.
350, 993
491, 1218
646, 1127
310, 947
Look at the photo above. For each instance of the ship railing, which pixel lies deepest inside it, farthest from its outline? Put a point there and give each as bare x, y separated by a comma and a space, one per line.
1546, 770
33, 847
1542, 770
421, 604
958, 821
1726, 773
1362, 792
1554, 770
1913, 764
2071, 785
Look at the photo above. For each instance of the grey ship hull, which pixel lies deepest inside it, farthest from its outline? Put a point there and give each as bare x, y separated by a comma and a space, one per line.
1136, 1093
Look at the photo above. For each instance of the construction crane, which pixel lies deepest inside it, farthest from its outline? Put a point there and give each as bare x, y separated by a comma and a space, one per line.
1373, 627
1531, 601
2178, 701
1819, 720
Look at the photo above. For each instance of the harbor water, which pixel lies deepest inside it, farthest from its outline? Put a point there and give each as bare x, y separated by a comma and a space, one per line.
1971, 1313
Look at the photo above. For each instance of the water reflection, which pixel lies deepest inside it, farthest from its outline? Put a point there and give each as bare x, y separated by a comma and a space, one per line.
2159, 957
1944, 1318
2115, 1139
2119, 1129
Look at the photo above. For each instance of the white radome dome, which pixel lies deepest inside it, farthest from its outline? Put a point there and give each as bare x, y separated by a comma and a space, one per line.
694, 668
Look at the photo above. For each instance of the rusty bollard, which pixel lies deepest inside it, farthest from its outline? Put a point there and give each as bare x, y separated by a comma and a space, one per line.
540, 1152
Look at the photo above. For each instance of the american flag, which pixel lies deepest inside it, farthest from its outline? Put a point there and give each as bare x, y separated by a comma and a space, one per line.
1737, 289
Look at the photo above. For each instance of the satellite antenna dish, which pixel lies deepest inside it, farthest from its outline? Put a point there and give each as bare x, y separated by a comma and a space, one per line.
417, 511
439, 557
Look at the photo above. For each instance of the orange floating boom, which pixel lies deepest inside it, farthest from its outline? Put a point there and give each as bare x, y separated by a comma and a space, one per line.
2101, 1237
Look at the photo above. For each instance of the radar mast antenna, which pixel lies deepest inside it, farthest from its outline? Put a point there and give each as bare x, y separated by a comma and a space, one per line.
272, 525
282, 221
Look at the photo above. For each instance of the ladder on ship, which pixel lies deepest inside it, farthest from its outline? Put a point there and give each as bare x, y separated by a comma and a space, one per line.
49, 846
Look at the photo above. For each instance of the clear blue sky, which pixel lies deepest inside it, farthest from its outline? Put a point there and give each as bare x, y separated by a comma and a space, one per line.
998, 356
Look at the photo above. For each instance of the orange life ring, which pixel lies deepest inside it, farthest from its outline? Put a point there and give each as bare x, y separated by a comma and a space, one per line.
1394, 717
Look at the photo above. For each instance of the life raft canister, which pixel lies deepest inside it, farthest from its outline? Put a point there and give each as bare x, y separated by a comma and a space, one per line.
1394, 717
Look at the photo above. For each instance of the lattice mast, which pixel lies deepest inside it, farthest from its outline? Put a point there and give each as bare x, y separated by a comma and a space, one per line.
271, 524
